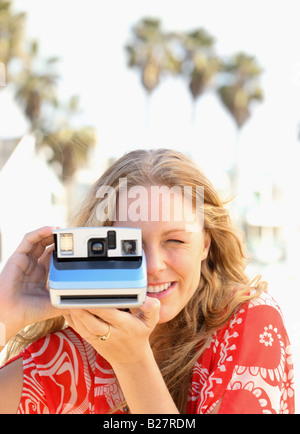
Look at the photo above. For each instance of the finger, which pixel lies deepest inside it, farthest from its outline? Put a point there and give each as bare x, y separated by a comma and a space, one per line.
113, 316
45, 258
69, 320
87, 325
40, 248
90, 329
36, 241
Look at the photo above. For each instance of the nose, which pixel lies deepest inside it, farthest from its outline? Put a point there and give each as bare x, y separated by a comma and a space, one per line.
155, 260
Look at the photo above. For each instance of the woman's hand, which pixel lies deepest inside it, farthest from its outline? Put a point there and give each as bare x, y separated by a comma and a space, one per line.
128, 351
128, 340
24, 297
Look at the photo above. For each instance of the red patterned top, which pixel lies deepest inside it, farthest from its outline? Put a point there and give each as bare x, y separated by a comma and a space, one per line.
247, 365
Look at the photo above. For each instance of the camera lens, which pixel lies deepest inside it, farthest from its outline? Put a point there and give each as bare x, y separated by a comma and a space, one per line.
97, 247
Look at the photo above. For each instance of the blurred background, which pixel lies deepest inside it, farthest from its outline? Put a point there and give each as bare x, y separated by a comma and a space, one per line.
82, 82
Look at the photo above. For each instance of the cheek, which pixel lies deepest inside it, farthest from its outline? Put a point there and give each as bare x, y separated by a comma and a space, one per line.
194, 277
188, 267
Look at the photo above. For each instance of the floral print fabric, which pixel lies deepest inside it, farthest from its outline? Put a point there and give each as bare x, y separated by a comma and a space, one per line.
248, 365
247, 368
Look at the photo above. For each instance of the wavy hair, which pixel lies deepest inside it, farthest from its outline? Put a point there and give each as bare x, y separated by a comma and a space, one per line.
223, 286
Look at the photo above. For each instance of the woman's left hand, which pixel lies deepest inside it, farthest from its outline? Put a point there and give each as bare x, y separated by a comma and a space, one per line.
129, 332
128, 351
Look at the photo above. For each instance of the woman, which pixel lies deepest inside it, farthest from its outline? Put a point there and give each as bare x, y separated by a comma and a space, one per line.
207, 340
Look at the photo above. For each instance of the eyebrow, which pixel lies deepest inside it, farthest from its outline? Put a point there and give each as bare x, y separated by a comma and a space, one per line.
176, 230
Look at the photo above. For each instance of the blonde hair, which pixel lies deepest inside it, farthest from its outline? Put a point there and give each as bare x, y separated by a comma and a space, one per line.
224, 284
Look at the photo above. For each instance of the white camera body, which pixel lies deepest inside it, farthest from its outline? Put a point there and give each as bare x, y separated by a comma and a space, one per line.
98, 267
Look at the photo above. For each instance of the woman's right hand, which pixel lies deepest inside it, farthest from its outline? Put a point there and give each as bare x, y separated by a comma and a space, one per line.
24, 296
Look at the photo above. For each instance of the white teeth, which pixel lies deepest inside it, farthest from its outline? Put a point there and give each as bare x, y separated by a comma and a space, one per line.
158, 288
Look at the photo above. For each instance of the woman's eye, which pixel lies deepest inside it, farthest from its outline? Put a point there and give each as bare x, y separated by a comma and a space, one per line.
176, 241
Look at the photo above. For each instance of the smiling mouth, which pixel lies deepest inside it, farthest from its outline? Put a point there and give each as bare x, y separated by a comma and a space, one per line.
156, 289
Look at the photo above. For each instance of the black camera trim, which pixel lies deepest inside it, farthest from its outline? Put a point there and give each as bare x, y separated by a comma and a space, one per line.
91, 253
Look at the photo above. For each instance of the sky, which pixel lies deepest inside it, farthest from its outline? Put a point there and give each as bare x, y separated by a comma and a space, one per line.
90, 41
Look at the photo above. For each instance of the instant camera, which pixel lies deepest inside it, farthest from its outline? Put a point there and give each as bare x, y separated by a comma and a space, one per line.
97, 267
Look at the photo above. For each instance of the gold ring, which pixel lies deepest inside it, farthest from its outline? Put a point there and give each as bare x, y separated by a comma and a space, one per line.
105, 337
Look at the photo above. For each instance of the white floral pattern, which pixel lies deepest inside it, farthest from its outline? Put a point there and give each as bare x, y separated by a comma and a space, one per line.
247, 366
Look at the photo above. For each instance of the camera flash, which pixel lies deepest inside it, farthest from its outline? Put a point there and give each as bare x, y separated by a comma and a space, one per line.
128, 247
66, 244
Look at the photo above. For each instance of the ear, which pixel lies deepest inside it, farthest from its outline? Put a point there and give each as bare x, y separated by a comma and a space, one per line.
206, 243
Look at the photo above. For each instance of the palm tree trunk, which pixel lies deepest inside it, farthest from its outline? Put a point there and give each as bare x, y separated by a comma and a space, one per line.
235, 168
147, 110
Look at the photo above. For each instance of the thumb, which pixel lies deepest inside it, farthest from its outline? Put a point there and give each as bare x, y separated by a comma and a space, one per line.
148, 312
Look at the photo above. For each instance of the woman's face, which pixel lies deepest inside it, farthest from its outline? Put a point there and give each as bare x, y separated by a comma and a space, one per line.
174, 250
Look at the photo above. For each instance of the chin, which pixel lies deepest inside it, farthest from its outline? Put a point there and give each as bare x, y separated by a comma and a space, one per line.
165, 316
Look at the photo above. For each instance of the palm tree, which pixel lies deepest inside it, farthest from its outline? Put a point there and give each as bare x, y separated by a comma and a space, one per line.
35, 87
201, 64
243, 87
37, 93
152, 52
69, 148
11, 49
241, 76
11, 36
